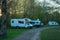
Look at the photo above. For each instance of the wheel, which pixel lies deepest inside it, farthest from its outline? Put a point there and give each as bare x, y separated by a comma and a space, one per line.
17, 27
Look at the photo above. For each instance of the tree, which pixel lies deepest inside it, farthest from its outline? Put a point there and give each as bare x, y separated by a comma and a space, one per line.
28, 8
3, 23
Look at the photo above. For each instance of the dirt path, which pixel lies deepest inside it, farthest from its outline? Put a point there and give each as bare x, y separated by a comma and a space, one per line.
30, 34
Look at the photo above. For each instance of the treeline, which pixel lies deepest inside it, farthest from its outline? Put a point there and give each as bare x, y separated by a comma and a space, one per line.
29, 9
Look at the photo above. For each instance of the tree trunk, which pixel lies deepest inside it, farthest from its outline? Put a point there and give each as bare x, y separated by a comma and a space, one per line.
3, 22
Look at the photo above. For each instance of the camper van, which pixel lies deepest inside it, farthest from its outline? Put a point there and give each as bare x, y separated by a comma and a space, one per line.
35, 22
20, 23
53, 23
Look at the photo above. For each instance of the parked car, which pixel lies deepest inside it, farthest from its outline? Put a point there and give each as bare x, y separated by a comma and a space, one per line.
53, 23
20, 23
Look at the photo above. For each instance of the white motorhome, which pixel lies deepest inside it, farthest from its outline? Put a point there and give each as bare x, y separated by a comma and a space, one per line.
35, 22
53, 23
20, 23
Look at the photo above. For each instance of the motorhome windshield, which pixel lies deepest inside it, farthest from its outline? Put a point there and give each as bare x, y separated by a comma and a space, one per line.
27, 23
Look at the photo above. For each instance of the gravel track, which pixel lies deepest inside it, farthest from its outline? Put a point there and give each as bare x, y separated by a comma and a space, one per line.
31, 34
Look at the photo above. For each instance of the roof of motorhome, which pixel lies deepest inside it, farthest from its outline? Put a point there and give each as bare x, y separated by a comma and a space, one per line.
11, 19
27, 19
34, 20
17, 19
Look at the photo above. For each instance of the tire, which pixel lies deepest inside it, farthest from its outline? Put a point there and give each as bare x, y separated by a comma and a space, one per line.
17, 27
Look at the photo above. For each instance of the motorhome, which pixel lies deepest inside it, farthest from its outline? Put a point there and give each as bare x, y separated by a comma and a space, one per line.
53, 23
35, 22
20, 23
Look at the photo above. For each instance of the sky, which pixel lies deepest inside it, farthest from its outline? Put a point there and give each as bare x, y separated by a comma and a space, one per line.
52, 3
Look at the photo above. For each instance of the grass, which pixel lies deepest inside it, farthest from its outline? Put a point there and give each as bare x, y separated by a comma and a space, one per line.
51, 34
11, 33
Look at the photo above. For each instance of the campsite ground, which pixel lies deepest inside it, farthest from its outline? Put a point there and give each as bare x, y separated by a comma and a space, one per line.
11, 33
33, 34
50, 34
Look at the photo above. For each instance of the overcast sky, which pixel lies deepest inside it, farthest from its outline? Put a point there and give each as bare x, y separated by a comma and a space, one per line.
50, 2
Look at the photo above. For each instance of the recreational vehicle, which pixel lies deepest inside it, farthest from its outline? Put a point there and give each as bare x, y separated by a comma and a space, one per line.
53, 23
20, 23
35, 22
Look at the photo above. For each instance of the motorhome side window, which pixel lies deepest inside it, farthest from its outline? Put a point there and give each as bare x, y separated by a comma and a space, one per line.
20, 22
32, 22
12, 21
52, 23
37, 22
55, 23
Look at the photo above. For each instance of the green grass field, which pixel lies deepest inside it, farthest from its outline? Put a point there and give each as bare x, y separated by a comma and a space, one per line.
11, 33
51, 34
